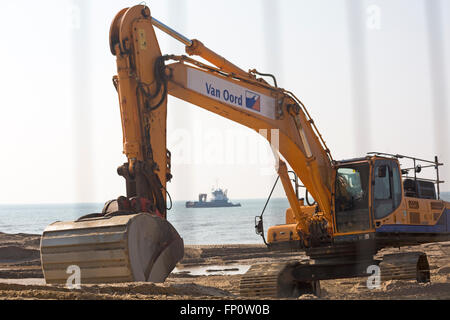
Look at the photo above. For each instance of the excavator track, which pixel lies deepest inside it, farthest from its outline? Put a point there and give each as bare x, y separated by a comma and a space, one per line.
405, 266
262, 281
122, 248
277, 280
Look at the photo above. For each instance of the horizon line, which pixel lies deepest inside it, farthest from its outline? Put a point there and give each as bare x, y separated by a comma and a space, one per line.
95, 203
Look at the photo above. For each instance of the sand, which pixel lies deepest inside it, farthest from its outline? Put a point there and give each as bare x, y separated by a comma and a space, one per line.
207, 272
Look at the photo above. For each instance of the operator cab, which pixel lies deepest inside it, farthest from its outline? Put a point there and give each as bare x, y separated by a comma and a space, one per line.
373, 198
369, 190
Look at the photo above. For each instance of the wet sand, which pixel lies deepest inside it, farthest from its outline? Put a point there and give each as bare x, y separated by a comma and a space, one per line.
207, 272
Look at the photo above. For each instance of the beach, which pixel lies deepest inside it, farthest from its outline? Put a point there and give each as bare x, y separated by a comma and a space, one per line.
208, 272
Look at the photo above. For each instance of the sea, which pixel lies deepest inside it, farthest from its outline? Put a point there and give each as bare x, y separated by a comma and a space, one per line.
197, 226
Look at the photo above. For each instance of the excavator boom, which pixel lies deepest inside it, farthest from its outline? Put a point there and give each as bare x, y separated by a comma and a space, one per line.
145, 78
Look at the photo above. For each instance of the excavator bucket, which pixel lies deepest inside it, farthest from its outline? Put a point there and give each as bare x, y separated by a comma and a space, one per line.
123, 248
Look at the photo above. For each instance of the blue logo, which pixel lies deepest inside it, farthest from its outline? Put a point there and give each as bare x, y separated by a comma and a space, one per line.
253, 101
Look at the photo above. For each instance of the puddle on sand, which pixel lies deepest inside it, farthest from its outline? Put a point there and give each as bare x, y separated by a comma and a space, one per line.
213, 270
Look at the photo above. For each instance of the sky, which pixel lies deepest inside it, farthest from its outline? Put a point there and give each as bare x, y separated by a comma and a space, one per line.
60, 127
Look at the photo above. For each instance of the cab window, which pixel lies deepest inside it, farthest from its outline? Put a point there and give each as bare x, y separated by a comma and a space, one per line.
396, 185
382, 183
387, 188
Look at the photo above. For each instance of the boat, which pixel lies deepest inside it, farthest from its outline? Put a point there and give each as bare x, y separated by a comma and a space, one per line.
219, 200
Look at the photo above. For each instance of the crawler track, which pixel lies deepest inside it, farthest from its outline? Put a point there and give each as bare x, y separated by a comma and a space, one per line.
262, 281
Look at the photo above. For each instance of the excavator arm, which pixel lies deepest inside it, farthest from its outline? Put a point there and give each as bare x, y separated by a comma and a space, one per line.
145, 77
131, 240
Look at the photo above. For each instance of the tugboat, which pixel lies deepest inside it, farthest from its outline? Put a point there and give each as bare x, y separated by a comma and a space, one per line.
219, 200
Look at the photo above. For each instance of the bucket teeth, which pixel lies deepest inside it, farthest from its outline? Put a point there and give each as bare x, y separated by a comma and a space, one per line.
139, 247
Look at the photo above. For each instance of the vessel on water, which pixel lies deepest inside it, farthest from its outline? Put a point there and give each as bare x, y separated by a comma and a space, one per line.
219, 200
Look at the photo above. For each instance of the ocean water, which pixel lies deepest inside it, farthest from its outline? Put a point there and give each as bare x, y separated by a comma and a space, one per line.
226, 225
33, 218
195, 225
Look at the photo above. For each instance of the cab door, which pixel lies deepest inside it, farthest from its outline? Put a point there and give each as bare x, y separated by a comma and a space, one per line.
352, 210
386, 191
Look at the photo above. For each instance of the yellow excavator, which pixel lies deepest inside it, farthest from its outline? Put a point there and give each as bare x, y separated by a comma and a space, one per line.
360, 205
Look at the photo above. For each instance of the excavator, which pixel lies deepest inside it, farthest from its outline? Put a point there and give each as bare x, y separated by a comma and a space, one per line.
361, 205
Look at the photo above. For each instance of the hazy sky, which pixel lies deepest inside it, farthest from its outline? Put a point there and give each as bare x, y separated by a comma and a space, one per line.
56, 151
